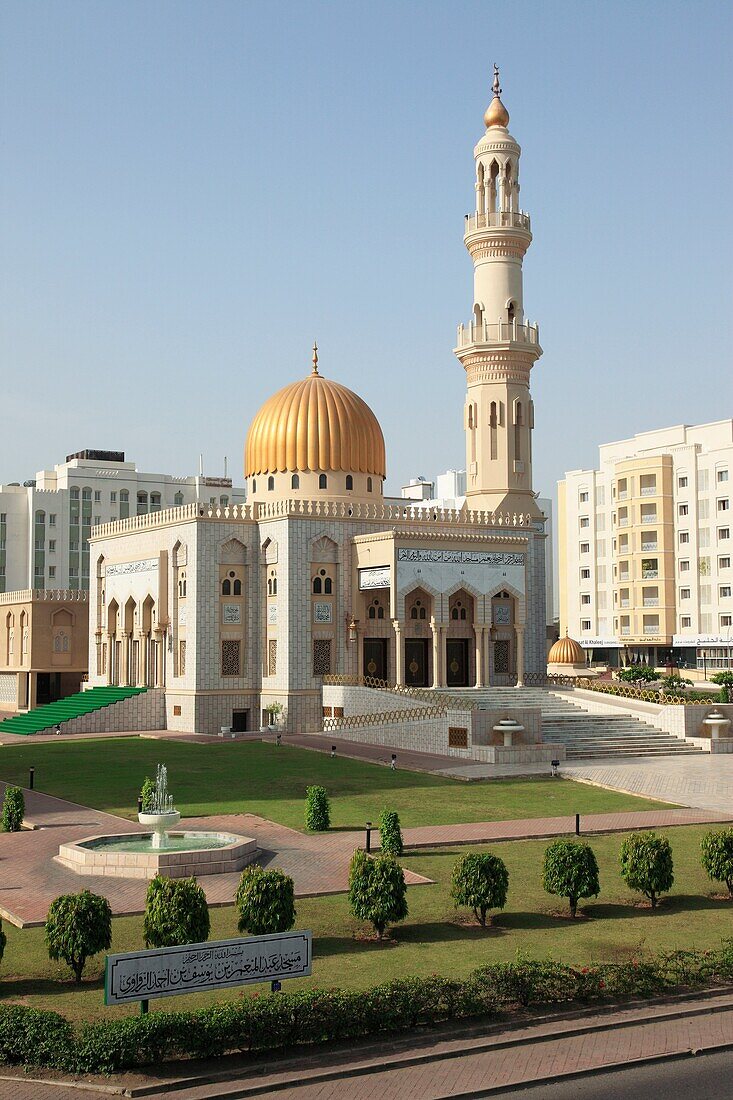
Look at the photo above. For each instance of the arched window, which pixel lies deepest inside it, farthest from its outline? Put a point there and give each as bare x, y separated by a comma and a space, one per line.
125, 496
349, 482
322, 481
454, 613
316, 586
372, 612
369, 485
413, 613
226, 588
295, 482
86, 493
511, 312
237, 588
463, 613
328, 586
40, 517
380, 612
493, 421
518, 422
254, 486
224, 502
423, 613
270, 484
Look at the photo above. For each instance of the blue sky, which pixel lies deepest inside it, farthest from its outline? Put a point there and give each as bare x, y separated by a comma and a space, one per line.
191, 192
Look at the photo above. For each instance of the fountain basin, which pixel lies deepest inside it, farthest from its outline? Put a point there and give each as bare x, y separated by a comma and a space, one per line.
161, 824
133, 855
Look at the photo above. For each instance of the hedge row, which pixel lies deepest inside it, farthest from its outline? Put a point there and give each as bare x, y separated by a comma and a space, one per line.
277, 1020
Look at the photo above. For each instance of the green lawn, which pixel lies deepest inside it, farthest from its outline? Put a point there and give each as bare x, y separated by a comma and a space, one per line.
253, 777
435, 937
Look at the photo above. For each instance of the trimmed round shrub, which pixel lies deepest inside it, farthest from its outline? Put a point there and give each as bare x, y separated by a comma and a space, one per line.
377, 890
646, 865
78, 926
571, 871
480, 881
35, 1037
147, 793
266, 901
317, 809
13, 810
390, 833
717, 856
175, 912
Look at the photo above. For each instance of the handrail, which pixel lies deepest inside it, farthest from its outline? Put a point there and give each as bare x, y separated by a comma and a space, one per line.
436, 698
497, 219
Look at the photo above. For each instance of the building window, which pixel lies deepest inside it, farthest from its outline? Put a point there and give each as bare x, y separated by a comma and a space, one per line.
322, 481
684, 537
723, 504
721, 476
682, 482
584, 521
684, 566
317, 586
322, 657
230, 657
97, 496
726, 620
272, 657
237, 588
182, 658
723, 533
272, 583
74, 493
585, 547
226, 588
685, 622
113, 497
178, 500
328, 586
683, 509
585, 624
723, 563
349, 482
684, 593
270, 484
254, 486
52, 519
52, 571
725, 591
369, 485
585, 599
585, 574
583, 498
155, 502
295, 482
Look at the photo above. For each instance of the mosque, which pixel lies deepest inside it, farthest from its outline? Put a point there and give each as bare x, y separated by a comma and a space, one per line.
232, 611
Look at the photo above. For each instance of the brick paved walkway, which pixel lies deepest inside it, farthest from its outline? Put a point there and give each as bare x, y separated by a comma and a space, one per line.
436, 1065
317, 862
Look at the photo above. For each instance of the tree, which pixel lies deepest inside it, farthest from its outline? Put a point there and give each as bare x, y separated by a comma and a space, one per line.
175, 912
13, 810
571, 871
717, 856
317, 809
266, 901
725, 679
377, 890
77, 926
147, 793
480, 880
390, 833
646, 864
638, 674
675, 685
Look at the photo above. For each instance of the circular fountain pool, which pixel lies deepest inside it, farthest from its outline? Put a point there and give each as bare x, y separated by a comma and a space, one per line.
135, 855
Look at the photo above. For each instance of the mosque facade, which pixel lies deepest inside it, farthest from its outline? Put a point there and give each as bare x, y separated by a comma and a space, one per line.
234, 612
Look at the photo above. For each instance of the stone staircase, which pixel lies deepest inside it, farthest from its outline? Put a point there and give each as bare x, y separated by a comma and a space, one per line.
584, 734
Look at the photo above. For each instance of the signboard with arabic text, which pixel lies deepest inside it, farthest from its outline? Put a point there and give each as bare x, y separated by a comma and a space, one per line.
166, 971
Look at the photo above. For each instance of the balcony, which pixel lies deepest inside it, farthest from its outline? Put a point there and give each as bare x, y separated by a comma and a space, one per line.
624, 603
497, 219
500, 332
650, 574
624, 495
651, 601
624, 576
625, 630
650, 546
623, 522
651, 629
648, 490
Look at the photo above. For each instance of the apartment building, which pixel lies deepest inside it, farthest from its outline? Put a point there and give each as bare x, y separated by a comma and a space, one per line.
45, 523
644, 549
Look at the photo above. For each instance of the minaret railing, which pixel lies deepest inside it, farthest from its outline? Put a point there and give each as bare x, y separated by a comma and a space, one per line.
498, 219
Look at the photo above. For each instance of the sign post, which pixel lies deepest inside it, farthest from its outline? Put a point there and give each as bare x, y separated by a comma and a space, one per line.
195, 967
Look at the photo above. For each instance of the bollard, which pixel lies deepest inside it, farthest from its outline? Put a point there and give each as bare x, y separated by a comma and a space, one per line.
393, 763
279, 740
368, 836
577, 824
333, 750
139, 803
31, 778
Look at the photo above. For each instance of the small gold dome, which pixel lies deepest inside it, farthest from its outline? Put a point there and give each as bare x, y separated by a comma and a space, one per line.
566, 651
315, 424
496, 114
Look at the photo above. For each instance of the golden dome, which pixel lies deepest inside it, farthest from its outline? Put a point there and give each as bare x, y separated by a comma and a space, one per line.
566, 651
315, 424
496, 113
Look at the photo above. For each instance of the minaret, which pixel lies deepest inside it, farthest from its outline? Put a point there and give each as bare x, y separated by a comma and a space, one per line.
498, 347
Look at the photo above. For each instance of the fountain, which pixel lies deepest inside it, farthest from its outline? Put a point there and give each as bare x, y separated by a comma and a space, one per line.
160, 851
161, 816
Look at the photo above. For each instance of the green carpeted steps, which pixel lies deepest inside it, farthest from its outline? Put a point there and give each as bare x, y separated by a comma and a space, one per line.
73, 706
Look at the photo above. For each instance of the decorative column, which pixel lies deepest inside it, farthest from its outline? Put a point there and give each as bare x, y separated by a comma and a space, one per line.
142, 659
519, 634
480, 632
124, 672
159, 657
441, 655
399, 653
359, 652
436, 652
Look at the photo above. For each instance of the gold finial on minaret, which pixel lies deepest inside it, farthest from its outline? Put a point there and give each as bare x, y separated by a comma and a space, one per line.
315, 357
496, 112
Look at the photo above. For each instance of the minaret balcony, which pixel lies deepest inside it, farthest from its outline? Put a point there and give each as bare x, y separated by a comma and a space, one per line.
498, 219
500, 332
